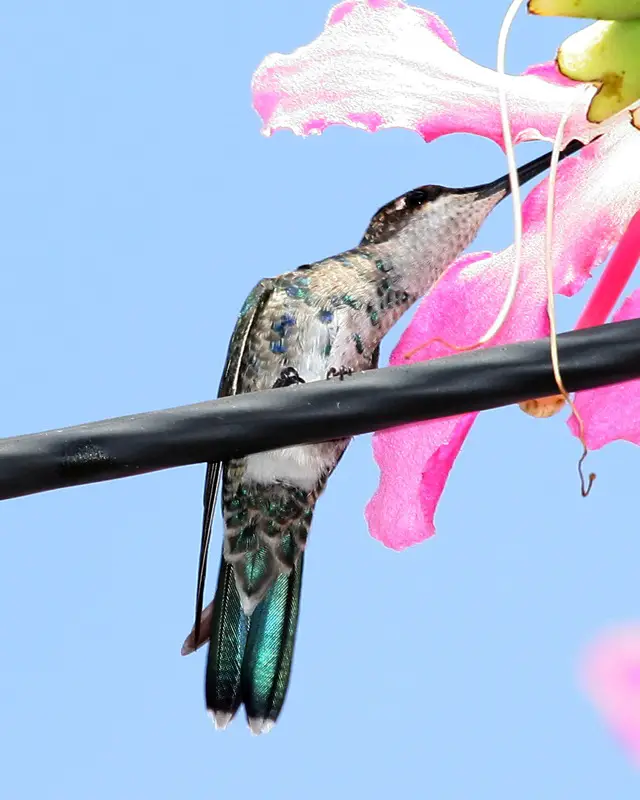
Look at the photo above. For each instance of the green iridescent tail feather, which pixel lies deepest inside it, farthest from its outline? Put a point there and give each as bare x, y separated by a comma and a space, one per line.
268, 656
249, 659
229, 629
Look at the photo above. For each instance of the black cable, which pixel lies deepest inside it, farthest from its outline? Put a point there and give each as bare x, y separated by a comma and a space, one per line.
368, 401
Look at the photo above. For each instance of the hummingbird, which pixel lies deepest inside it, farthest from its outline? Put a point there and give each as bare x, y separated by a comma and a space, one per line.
321, 320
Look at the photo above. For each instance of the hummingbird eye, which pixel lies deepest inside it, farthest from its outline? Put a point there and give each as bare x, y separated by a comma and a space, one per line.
423, 194
395, 215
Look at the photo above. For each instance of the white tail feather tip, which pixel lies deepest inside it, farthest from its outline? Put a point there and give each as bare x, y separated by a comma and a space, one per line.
259, 726
220, 719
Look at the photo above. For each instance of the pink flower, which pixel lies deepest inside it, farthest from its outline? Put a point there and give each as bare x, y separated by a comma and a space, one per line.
380, 64
611, 674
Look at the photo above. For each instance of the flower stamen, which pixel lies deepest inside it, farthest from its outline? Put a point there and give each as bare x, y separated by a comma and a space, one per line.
515, 193
585, 485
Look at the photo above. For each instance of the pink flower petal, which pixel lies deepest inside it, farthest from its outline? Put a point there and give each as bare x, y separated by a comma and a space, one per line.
598, 191
549, 72
415, 461
612, 412
615, 277
400, 64
612, 680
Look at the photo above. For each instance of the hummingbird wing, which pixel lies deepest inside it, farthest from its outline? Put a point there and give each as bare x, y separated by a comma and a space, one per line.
251, 308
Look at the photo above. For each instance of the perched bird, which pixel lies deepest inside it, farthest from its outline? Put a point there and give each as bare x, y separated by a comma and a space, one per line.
319, 321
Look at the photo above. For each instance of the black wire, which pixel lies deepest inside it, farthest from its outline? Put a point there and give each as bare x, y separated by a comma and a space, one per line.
314, 412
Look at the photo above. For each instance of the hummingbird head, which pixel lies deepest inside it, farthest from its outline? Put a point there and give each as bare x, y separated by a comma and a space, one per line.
447, 219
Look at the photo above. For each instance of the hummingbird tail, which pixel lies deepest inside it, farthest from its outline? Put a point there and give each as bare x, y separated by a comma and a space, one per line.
229, 629
249, 658
254, 617
268, 654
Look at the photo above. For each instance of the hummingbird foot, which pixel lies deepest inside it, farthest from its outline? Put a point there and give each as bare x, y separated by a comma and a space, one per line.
288, 377
339, 373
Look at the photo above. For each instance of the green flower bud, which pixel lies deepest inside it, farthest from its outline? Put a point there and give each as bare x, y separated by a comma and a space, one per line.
589, 9
607, 54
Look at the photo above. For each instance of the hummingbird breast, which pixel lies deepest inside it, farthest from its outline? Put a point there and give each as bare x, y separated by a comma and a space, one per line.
329, 315
300, 328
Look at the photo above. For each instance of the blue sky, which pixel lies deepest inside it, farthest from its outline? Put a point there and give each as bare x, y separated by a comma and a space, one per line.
138, 205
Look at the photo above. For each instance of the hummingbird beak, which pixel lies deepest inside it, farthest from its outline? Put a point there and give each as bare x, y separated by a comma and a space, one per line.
525, 173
